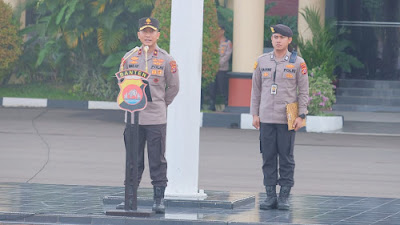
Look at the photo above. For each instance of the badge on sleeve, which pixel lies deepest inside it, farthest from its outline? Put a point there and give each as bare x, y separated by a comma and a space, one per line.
303, 68
173, 66
255, 65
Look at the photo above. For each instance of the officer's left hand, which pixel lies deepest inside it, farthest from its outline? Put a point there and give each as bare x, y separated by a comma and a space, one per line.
298, 124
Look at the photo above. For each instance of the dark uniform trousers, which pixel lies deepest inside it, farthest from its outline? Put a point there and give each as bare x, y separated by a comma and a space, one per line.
277, 142
219, 85
154, 136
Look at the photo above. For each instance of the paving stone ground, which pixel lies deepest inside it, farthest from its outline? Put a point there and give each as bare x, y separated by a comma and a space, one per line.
76, 204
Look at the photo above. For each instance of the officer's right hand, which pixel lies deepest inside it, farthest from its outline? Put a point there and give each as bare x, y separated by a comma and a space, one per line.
256, 122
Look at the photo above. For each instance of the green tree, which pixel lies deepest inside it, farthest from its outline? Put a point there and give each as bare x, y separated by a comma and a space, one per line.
83, 41
162, 11
10, 41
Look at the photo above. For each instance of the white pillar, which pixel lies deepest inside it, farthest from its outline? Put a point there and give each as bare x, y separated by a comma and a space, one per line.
248, 34
183, 127
304, 30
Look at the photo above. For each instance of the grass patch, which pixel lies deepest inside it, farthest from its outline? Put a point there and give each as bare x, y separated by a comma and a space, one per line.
44, 90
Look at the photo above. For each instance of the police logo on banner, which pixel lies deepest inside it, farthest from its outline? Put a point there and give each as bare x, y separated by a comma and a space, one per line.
132, 96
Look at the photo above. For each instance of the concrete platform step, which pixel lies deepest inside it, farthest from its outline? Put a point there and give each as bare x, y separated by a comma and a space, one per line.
365, 108
375, 92
215, 199
367, 100
349, 83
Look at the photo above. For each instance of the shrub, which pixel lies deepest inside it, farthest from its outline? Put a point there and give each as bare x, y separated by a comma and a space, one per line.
321, 92
210, 43
10, 41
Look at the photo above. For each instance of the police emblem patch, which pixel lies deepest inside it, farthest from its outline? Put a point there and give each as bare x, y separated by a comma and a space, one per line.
132, 96
173, 66
303, 68
255, 65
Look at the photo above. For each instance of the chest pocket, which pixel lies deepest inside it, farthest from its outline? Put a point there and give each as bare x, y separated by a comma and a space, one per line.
267, 73
156, 80
289, 72
157, 67
156, 72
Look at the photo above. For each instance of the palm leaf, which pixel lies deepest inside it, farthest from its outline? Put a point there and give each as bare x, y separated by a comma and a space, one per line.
108, 41
138, 5
71, 38
71, 9
44, 52
60, 15
113, 60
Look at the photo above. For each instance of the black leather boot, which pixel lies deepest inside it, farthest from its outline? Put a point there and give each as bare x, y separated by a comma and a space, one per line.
283, 200
158, 205
271, 201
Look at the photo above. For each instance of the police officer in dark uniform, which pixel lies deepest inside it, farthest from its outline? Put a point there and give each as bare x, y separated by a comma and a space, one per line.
164, 86
279, 78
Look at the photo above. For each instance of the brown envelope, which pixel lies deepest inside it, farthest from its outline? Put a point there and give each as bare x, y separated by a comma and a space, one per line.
292, 112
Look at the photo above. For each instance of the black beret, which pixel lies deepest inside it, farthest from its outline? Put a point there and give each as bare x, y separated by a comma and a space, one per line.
282, 29
148, 22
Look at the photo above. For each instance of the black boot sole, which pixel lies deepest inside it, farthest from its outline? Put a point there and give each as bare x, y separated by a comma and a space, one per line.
283, 207
275, 206
158, 211
267, 208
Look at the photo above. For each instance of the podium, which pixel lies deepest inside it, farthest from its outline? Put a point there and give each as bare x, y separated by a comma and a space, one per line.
133, 97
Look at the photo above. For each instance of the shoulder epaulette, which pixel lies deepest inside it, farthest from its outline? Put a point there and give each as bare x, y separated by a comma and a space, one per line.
163, 51
127, 55
131, 51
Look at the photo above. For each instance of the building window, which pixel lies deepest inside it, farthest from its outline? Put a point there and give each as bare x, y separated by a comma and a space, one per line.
375, 33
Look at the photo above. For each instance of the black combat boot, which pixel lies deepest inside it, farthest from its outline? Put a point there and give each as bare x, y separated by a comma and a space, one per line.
270, 201
283, 200
158, 205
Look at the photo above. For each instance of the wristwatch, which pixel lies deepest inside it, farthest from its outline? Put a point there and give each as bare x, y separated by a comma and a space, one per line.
302, 116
